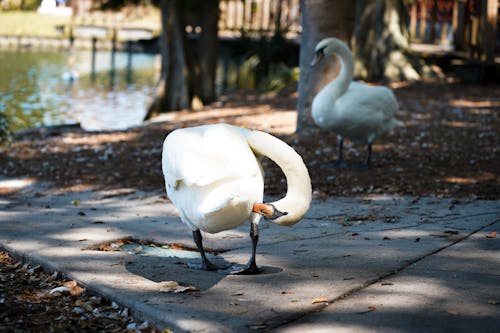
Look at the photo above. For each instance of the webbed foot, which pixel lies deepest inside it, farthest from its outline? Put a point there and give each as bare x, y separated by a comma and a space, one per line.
248, 269
203, 266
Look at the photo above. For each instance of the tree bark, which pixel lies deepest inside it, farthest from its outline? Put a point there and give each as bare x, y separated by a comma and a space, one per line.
208, 46
320, 19
381, 43
186, 76
172, 90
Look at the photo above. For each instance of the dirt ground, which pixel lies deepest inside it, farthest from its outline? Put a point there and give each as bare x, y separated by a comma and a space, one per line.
449, 147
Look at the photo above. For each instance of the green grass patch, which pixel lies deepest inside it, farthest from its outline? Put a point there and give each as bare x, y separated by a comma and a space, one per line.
20, 23
32, 24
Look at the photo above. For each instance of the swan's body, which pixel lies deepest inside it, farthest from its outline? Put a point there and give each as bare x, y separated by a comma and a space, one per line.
352, 109
215, 180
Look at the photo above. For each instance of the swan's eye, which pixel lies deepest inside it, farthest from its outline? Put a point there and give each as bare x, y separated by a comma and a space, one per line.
318, 56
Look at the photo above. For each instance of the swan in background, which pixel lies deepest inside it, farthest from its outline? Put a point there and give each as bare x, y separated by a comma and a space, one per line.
351, 109
70, 75
214, 177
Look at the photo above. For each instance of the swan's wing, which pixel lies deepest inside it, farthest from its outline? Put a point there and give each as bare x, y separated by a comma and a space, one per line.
207, 154
377, 99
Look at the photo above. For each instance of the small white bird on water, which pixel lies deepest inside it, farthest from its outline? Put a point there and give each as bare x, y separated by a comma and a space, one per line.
214, 178
354, 110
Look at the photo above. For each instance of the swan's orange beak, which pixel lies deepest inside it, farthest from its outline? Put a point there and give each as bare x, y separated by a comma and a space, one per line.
263, 209
268, 211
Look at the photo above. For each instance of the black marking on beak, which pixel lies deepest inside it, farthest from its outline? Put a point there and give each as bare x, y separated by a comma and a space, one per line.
318, 56
276, 214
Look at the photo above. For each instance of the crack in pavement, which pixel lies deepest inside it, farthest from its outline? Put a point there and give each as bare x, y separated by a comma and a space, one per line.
280, 321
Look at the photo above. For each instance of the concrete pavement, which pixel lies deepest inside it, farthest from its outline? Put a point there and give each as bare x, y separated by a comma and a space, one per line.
366, 264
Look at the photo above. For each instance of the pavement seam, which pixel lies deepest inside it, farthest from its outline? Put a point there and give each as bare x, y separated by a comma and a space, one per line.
443, 217
405, 264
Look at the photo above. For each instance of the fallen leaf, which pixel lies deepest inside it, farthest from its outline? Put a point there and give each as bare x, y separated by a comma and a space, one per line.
176, 287
319, 300
53, 277
492, 234
34, 297
370, 309
74, 288
61, 289
258, 326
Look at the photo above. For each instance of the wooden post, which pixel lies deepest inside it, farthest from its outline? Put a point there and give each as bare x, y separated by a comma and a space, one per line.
94, 50
459, 24
114, 37
423, 19
413, 21
490, 29
433, 21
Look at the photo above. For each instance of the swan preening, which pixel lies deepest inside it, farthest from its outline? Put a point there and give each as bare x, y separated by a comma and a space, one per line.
351, 109
214, 178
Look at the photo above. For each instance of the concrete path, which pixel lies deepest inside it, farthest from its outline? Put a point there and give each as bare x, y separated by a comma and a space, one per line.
366, 264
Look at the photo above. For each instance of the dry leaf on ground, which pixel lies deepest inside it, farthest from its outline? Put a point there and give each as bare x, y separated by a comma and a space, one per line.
319, 300
175, 287
492, 234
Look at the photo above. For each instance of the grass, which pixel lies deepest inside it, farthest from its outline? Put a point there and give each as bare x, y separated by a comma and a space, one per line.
20, 23
32, 24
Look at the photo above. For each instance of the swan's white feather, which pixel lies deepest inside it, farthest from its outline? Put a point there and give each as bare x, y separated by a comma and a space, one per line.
207, 154
212, 176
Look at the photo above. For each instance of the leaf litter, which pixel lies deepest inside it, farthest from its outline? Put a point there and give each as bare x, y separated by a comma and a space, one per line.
32, 300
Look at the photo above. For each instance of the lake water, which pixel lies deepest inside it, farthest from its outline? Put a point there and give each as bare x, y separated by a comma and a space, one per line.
55, 87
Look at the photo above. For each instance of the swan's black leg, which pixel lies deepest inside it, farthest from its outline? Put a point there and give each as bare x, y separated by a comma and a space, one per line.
205, 265
366, 163
340, 153
369, 156
251, 266
339, 163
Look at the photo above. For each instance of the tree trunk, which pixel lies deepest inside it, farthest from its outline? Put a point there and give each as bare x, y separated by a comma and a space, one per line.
185, 75
381, 43
320, 19
208, 46
172, 90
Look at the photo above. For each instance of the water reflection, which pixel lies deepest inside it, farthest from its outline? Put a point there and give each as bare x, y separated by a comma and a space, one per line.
47, 88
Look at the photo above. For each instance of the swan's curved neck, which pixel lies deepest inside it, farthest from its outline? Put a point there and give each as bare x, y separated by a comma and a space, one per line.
339, 85
299, 191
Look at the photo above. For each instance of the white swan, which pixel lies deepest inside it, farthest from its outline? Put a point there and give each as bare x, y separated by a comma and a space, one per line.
214, 178
352, 109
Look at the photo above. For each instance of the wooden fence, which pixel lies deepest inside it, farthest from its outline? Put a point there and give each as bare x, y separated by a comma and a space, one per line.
463, 25
469, 26
257, 17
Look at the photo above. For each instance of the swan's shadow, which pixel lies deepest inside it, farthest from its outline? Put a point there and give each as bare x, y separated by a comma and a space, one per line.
160, 269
